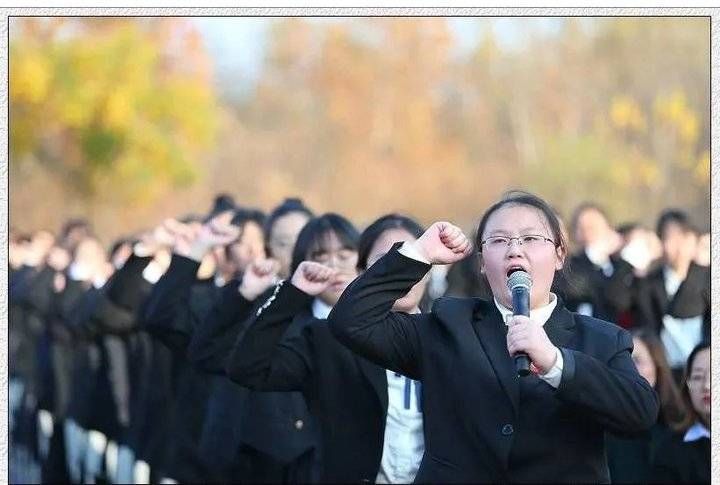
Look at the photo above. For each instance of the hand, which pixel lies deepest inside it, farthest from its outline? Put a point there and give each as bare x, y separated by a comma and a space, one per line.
527, 336
184, 235
443, 243
58, 258
59, 281
313, 278
216, 232
258, 277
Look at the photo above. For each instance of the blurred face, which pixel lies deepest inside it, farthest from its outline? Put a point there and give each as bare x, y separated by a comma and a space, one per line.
410, 302
540, 260
335, 255
283, 235
250, 246
644, 361
90, 253
679, 247
591, 227
699, 384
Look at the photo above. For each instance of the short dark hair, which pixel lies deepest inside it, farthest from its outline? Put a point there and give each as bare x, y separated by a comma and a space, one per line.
519, 197
221, 203
371, 234
312, 237
288, 206
674, 216
244, 215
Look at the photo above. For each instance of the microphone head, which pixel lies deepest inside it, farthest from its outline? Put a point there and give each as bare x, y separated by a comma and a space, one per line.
519, 279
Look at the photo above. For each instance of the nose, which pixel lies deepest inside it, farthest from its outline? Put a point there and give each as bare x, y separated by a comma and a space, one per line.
514, 248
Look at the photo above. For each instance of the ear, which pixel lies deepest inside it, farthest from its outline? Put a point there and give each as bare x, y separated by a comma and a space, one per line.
560, 260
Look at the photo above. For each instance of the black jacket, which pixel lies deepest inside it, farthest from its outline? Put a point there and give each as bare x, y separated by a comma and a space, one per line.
482, 422
286, 349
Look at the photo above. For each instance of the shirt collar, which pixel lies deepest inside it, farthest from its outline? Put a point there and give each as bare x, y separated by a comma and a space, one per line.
320, 309
697, 431
539, 315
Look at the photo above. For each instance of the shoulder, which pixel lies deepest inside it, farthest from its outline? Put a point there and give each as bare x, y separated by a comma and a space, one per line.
459, 306
602, 330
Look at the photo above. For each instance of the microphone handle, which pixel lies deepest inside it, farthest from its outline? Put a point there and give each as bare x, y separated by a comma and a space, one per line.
521, 306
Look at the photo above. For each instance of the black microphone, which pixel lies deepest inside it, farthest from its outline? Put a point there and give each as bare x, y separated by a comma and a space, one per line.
519, 284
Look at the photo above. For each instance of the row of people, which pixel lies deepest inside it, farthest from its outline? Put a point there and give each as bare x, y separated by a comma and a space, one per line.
332, 415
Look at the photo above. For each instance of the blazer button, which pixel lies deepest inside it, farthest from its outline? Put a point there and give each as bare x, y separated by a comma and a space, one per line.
507, 430
299, 424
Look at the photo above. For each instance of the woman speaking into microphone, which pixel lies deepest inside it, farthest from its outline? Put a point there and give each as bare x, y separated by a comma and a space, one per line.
483, 422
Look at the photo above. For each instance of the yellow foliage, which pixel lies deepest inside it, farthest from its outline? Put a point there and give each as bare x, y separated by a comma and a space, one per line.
626, 113
702, 169
30, 78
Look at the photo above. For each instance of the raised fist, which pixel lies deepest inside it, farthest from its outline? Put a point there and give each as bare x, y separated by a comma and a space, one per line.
443, 243
218, 231
258, 277
313, 278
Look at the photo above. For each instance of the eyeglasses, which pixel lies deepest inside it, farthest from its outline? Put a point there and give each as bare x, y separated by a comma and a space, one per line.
696, 381
500, 243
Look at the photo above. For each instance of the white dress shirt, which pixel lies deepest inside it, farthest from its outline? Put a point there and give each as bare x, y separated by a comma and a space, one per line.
404, 442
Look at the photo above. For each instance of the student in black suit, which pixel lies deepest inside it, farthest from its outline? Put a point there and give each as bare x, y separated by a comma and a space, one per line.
684, 457
370, 421
483, 422
674, 299
256, 436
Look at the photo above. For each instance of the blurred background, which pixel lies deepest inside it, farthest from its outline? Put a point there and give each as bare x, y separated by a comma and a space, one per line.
125, 121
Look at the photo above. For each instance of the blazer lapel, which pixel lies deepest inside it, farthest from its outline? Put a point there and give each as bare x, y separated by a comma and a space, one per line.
492, 333
560, 326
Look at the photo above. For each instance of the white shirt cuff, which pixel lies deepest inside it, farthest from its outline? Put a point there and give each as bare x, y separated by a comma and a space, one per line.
554, 375
412, 253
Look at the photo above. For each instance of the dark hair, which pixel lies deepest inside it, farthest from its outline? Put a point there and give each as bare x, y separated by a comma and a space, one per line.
288, 206
242, 216
372, 233
222, 203
519, 197
672, 407
313, 237
691, 416
674, 216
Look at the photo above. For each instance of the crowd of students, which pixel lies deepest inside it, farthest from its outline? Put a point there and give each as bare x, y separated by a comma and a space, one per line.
198, 350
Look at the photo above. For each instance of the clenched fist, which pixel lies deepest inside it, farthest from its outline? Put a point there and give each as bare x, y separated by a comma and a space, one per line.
258, 277
443, 243
313, 278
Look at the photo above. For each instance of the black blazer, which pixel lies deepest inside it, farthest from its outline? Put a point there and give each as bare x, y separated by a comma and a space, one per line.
482, 422
286, 349
691, 299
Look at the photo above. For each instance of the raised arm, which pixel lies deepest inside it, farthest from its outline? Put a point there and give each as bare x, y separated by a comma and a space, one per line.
274, 352
362, 319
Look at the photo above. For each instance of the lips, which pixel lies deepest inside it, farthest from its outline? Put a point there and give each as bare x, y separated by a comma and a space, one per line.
515, 267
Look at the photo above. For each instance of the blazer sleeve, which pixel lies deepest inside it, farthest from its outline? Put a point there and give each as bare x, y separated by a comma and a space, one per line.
612, 391
214, 338
362, 319
168, 315
272, 354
